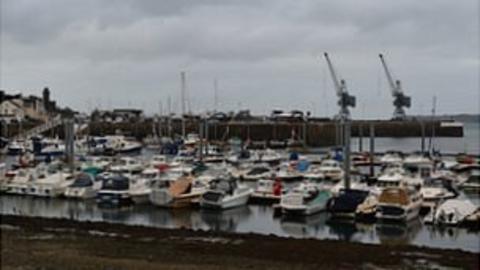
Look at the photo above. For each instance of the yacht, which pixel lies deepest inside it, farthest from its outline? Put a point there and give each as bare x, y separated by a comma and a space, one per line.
225, 193
399, 204
267, 191
141, 186
114, 191
176, 194
83, 187
304, 199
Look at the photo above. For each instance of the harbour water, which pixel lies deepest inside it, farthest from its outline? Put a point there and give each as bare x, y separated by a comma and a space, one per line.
260, 218
249, 219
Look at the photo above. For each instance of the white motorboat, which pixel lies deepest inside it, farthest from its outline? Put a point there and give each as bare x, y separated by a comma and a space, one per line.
267, 190
191, 140
472, 183
18, 182
174, 195
83, 187
304, 199
128, 166
414, 160
270, 156
287, 172
99, 163
225, 194
331, 169
141, 186
15, 148
257, 172
159, 161
314, 173
399, 203
391, 157
122, 145
50, 181
452, 212
114, 191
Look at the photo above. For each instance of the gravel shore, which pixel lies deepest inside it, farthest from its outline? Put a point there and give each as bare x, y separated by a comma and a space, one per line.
42, 243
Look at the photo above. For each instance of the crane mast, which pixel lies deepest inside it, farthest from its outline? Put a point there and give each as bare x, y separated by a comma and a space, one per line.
400, 100
345, 101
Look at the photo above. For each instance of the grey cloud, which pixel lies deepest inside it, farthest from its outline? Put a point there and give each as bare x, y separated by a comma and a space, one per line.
265, 53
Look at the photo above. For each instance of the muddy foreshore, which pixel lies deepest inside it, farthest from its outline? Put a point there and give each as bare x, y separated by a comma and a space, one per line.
43, 243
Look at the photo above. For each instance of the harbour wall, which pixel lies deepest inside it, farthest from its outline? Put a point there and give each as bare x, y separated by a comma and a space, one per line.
314, 134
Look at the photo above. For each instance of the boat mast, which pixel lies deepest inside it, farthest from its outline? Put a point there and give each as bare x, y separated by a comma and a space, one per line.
183, 88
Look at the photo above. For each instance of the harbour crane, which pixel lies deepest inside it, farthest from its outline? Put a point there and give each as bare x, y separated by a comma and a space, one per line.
345, 100
400, 100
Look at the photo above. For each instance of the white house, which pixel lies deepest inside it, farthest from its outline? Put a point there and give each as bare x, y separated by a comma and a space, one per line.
12, 110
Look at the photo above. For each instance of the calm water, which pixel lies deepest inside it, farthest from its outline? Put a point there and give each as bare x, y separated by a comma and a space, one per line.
251, 218
470, 143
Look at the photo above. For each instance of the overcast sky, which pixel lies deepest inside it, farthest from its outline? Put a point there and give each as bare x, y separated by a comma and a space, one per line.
265, 54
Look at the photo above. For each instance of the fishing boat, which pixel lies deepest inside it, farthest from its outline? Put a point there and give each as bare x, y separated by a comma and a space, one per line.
141, 186
399, 204
267, 190
225, 193
114, 191
83, 187
175, 194
304, 199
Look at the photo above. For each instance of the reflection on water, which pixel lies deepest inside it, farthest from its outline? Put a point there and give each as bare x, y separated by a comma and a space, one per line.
251, 218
